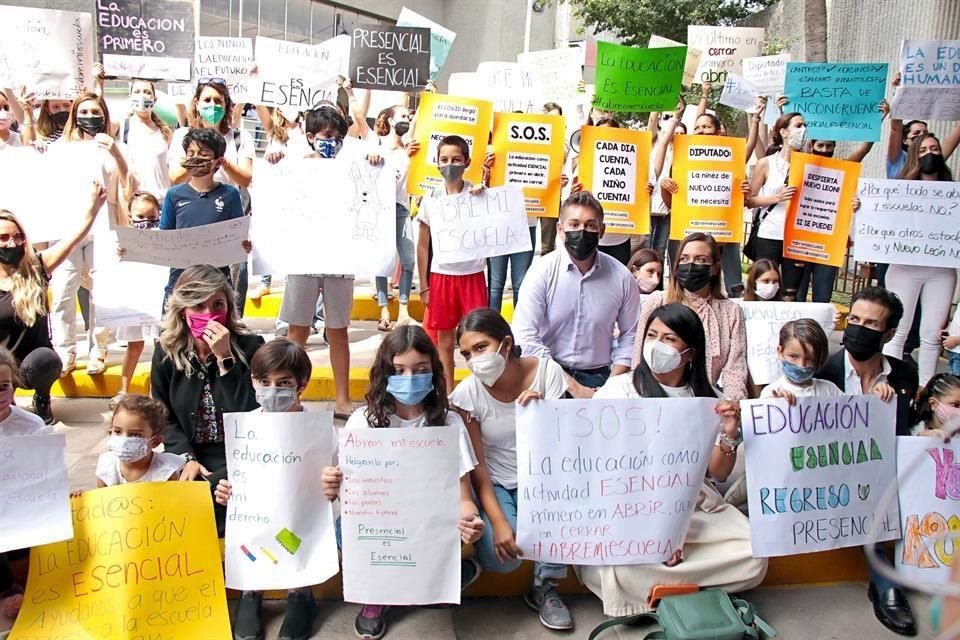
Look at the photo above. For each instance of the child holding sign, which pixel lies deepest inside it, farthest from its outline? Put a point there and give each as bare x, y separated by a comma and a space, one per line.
135, 430
802, 351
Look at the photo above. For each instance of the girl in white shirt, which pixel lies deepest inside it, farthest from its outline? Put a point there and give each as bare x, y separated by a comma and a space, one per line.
802, 351
136, 429
146, 138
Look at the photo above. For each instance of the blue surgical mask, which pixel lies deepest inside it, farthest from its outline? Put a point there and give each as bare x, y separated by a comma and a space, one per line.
327, 148
410, 390
797, 374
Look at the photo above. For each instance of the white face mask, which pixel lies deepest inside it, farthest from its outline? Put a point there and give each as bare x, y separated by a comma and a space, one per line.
766, 290
647, 284
797, 138
488, 367
128, 449
661, 357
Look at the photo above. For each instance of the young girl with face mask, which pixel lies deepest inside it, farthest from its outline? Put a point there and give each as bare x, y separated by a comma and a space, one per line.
647, 269
763, 282
802, 351
938, 407
8, 137
136, 429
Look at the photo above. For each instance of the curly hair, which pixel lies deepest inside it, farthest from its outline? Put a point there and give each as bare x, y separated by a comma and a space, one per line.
151, 411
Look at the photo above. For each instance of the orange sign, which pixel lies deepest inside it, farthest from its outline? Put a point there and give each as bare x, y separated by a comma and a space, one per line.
709, 171
615, 166
529, 152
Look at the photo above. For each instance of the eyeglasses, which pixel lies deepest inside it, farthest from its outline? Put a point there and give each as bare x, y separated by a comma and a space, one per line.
18, 238
220, 81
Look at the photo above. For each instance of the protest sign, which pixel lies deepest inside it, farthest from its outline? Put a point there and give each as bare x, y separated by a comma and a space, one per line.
692, 60
839, 101
146, 38
708, 171
820, 214
227, 58
219, 244
441, 38
468, 227
928, 474
439, 116
615, 166
763, 321
529, 152
612, 482
391, 58
558, 72
739, 93
144, 562
929, 81
294, 74
51, 52
351, 230
767, 73
817, 472
511, 87
117, 303
631, 79
286, 543
724, 49
401, 545
912, 222
34, 491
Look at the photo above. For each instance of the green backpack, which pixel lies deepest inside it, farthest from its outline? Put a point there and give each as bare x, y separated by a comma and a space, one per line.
704, 615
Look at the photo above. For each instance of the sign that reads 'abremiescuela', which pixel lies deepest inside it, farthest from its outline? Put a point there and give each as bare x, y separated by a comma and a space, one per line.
146, 38
390, 58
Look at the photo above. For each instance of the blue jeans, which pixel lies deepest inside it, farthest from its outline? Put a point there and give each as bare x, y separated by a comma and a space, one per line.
659, 234
953, 363
405, 251
497, 266
592, 378
507, 499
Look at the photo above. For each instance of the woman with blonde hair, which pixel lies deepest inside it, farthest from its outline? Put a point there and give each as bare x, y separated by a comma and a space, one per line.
24, 278
201, 370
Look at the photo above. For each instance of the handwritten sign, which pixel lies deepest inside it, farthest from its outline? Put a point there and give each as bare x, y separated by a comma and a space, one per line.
49, 51
724, 49
708, 171
351, 230
767, 73
908, 222
928, 473
146, 38
219, 244
441, 38
530, 153
399, 525
391, 58
838, 101
611, 482
144, 562
285, 543
227, 58
631, 79
929, 81
439, 116
691, 63
763, 321
614, 165
117, 303
819, 216
467, 227
294, 74
817, 471
558, 72
34, 491
739, 93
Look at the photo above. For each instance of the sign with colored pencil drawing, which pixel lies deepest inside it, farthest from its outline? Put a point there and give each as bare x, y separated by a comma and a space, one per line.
709, 171
441, 38
692, 61
439, 116
724, 49
273, 543
401, 545
739, 93
146, 38
529, 150
614, 165
632, 79
227, 58
820, 214
767, 73
817, 472
391, 58
611, 482
558, 72
929, 81
295, 74
34, 491
838, 101
144, 562
928, 473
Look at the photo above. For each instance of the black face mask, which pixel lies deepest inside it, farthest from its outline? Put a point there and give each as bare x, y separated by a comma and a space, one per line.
91, 125
402, 128
694, 277
822, 154
932, 164
11, 256
581, 243
60, 118
862, 343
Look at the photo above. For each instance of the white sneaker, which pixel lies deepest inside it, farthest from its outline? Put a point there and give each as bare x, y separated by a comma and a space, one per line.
69, 363
96, 363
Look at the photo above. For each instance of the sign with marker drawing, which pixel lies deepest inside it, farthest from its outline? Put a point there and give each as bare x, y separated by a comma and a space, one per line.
401, 545
614, 165
929, 81
146, 38
390, 58
529, 150
817, 472
219, 244
284, 543
295, 74
610, 482
117, 303
708, 171
441, 38
838, 101
739, 93
767, 73
724, 49
632, 79
558, 72
227, 58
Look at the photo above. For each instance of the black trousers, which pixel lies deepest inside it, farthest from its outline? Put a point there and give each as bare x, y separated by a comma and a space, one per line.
40, 369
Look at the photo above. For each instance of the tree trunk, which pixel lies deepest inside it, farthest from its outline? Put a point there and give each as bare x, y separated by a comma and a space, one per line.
815, 30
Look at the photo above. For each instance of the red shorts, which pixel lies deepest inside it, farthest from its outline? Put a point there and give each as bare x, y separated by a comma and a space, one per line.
453, 297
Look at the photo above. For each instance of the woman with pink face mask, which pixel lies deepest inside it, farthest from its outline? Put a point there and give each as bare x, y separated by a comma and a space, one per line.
201, 370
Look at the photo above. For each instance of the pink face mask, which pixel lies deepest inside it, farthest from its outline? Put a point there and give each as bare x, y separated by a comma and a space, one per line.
6, 398
198, 321
946, 413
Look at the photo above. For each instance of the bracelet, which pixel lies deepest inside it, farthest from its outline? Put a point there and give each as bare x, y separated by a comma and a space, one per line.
727, 452
424, 290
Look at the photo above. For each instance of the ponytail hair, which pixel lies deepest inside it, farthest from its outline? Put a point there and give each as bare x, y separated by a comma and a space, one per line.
937, 387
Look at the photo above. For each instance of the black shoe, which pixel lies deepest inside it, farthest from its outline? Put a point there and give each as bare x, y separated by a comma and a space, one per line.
41, 408
893, 610
298, 621
246, 622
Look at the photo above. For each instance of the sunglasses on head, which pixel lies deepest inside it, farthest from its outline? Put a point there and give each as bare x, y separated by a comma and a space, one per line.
220, 81
18, 238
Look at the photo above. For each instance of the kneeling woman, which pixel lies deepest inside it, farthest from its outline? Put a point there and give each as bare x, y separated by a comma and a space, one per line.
716, 552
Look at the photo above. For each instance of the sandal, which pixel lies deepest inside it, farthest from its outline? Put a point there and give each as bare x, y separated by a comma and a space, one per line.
384, 325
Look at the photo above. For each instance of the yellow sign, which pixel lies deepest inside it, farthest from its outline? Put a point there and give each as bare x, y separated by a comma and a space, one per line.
709, 171
144, 563
439, 116
615, 166
529, 150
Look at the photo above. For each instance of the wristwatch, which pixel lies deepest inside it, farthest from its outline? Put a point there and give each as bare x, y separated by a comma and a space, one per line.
227, 363
189, 457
